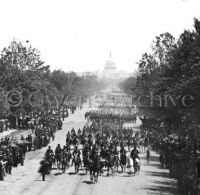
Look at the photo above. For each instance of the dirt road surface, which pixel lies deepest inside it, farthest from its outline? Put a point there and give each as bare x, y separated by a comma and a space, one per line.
25, 180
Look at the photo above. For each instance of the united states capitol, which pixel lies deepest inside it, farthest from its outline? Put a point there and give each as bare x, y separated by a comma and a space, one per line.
110, 72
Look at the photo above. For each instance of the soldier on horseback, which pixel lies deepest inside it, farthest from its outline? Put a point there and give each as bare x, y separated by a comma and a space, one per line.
76, 151
136, 159
134, 153
49, 152
95, 165
76, 160
58, 151
122, 150
86, 158
65, 158
123, 159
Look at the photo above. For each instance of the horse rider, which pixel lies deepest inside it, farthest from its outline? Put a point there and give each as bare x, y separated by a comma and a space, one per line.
94, 148
79, 131
58, 151
122, 150
49, 152
85, 150
68, 134
135, 156
76, 151
75, 140
67, 147
135, 153
103, 152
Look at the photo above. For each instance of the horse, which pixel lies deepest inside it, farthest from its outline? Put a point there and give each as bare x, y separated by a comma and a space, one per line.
123, 161
75, 141
116, 163
136, 165
86, 161
58, 160
77, 162
109, 163
68, 141
65, 159
95, 167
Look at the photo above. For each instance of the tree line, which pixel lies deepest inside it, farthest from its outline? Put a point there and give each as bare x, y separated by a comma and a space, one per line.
167, 92
168, 81
25, 80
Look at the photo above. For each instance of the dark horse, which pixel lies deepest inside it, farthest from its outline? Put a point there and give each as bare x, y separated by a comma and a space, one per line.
86, 161
123, 159
136, 165
109, 163
95, 168
77, 162
58, 160
65, 160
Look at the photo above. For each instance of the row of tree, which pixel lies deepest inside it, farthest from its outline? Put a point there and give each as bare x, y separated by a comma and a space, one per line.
25, 81
167, 92
167, 86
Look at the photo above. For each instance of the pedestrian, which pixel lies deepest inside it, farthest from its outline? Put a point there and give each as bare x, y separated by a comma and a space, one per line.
9, 164
2, 168
53, 136
148, 155
198, 168
44, 169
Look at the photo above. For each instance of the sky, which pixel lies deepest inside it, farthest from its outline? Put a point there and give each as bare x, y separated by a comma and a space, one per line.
78, 35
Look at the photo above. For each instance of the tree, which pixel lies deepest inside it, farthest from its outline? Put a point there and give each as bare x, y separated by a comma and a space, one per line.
22, 69
71, 86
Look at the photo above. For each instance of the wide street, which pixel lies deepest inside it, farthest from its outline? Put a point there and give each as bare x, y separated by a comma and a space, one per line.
25, 180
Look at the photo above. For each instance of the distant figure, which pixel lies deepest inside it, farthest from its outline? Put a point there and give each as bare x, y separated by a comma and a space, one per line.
148, 154
44, 169
198, 169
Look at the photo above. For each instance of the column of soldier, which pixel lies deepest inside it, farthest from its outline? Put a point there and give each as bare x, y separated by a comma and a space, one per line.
98, 138
109, 116
44, 125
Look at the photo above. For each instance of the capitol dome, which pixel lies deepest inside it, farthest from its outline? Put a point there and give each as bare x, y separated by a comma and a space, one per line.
110, 64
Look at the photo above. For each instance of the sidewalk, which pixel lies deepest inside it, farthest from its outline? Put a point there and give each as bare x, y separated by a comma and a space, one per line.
153, 179
6, 133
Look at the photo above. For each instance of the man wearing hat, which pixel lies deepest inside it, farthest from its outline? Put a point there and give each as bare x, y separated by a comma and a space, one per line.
44, 169
2, 164
49, 152
9, 163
